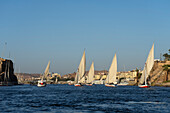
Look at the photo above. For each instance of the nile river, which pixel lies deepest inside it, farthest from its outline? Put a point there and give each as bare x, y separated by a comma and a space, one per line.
86, 99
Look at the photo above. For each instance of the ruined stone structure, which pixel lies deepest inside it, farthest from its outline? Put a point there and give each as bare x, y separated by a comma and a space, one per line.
7, 76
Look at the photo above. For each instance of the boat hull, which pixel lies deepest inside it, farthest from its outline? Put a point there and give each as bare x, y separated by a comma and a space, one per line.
110, 85
41, 83
122, 84
89, 84
70, 84
78, 85
144, 86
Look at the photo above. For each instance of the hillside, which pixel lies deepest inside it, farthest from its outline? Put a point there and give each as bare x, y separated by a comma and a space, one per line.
159, 76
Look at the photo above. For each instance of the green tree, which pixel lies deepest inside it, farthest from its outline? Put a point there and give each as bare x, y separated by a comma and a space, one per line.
167, 56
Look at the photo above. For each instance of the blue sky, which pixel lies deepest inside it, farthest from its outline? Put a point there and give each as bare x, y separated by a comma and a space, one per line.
37, 31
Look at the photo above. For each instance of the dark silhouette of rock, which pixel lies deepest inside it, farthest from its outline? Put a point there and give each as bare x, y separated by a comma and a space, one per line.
7, 76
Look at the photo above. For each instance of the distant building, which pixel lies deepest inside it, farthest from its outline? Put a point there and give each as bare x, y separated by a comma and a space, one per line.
56, 75
103, 77
97, 77
130, 75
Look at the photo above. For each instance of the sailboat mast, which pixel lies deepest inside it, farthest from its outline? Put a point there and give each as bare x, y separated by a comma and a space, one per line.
108, 79
77, 77
145, 74
88, 79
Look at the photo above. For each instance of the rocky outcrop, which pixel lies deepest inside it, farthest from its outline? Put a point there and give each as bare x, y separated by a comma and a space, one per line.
158, 75
7, 72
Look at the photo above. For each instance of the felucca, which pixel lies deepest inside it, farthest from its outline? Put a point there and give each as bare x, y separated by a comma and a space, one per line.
147, 69
111, 77
90, 76
80, 75
42, 82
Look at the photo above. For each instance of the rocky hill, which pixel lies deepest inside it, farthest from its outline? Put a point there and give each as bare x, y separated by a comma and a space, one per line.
160, 76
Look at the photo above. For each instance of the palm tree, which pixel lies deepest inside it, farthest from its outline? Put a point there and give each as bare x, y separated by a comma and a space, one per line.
166, 68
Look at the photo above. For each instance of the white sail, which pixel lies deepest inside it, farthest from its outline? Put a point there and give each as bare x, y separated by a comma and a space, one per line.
56, 80
76, 78
148, 66
111, 77
90, 76
46, 72
80, 75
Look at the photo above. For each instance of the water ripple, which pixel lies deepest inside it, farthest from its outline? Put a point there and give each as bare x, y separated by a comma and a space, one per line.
95, 99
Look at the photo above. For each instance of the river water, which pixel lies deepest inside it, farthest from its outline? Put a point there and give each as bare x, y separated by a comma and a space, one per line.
86, 99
